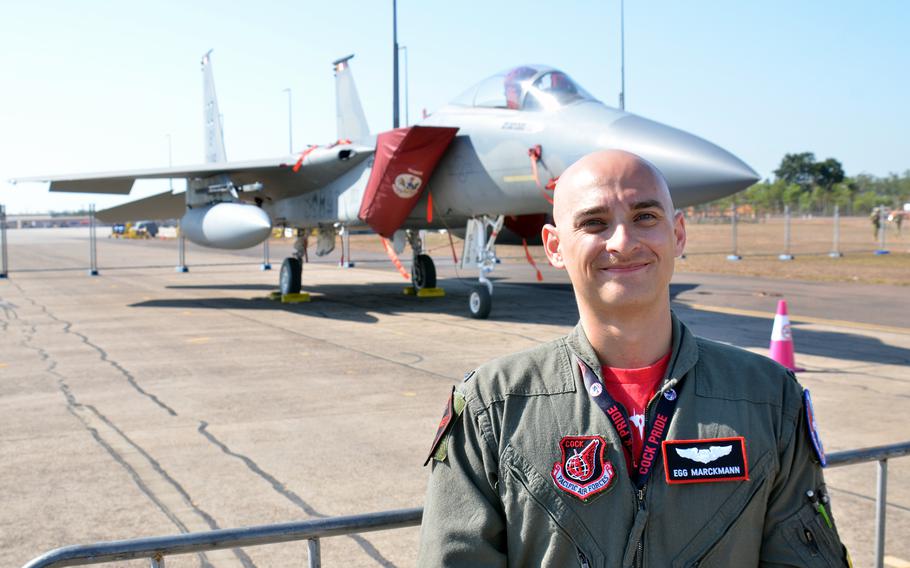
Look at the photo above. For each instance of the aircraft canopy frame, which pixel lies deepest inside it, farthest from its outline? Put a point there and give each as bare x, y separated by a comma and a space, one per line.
525, 88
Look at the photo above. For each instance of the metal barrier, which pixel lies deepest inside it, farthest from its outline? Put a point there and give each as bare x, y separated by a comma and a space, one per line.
156, 548
879, 454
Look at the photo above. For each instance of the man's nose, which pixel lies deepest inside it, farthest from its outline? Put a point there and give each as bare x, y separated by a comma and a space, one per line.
622, 240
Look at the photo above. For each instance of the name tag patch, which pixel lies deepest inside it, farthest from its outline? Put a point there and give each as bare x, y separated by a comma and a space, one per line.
706, 461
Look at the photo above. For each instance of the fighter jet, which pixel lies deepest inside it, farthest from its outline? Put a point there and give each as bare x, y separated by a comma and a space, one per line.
486, 161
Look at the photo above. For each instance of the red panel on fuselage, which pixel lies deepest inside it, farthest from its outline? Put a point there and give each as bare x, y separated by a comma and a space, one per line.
404, 161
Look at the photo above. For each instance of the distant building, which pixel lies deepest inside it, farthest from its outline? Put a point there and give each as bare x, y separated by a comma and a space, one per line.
45, 221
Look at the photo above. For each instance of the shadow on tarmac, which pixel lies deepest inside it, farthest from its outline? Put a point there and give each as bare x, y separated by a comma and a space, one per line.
746, 331
533, 303
264, 287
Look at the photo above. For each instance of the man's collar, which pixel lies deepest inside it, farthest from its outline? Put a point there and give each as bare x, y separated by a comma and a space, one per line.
683, 348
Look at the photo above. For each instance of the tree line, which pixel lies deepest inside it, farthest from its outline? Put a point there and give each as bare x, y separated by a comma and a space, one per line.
811, 186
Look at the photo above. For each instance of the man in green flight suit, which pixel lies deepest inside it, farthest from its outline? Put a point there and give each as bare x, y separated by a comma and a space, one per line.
629, 442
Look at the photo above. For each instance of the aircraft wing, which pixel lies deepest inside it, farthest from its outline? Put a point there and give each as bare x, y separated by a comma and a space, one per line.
320, 165
161, 206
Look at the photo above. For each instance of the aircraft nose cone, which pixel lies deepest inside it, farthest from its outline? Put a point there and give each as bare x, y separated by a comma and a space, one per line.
696, 170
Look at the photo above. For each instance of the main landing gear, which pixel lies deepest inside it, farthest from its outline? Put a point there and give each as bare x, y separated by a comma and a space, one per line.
479, 251
290, 276
480, 239
289, 279
423, 270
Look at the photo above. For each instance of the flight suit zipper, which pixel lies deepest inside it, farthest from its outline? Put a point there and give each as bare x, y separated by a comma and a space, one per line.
640, 548
640, 493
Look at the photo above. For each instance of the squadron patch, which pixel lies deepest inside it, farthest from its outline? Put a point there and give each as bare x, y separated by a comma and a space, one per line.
406, 185
582, 471
814, 437
454, 406
706, 461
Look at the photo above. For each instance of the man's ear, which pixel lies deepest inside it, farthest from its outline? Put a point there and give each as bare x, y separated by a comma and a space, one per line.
551, 245
679, 231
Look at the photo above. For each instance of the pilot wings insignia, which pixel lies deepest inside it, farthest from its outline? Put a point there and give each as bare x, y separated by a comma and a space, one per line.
705, 455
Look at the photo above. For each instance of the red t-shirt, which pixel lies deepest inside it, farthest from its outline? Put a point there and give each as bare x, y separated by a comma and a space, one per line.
633, 388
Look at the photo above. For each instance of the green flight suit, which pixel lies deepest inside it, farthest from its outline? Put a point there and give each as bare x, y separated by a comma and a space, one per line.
493, 501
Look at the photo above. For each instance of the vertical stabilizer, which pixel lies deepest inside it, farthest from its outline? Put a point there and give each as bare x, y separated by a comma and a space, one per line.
352, 123
214, 135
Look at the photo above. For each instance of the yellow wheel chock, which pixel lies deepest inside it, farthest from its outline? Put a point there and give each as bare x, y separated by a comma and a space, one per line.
425, 292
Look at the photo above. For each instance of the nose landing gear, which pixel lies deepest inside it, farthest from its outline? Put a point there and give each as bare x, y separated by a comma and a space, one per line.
480, 302
479, 250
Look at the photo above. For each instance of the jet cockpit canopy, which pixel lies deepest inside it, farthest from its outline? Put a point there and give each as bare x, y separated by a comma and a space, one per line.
527, 87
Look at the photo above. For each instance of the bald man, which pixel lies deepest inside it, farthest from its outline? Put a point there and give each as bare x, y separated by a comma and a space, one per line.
629, 442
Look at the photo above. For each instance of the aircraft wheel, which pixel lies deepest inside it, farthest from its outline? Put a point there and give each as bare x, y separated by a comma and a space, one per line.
289, 279
480, 302
423, 273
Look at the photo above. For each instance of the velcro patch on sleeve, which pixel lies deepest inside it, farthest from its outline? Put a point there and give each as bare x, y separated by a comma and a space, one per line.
454, 407
817, 447
706, 461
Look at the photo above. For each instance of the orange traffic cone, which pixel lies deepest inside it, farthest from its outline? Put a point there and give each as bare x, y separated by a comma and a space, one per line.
782, 339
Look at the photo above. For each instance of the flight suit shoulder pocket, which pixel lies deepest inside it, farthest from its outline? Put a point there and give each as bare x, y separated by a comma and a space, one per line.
812, 540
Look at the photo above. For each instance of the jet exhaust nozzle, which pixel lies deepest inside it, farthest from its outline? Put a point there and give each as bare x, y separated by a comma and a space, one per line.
226, 225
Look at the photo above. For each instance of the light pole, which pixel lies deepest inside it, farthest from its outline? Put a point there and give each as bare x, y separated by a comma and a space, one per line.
395, 64
181, 240
407, 121
170, 163
622, 54
290, 131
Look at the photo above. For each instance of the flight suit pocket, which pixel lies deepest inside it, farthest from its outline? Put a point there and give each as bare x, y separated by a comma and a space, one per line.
812, 539
719, 542
524, 478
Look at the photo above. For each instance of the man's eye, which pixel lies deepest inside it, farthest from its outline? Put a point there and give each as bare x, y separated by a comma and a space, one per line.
593, 224
647, 217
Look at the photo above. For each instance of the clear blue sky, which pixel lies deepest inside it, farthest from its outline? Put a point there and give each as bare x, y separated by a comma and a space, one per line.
98, 86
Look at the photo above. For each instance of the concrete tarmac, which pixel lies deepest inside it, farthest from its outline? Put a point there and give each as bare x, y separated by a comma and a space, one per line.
147, 402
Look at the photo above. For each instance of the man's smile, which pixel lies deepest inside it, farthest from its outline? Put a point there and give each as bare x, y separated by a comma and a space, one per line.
626, 267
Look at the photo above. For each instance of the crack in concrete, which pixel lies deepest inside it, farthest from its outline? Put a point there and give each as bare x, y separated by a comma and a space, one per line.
368, 547
74, 407
868, 498
290, 495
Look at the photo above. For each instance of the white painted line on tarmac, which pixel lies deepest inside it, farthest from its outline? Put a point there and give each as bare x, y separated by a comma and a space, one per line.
896, 562
801, 319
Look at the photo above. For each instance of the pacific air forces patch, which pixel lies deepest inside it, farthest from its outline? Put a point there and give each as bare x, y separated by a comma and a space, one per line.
582, 471
454, 406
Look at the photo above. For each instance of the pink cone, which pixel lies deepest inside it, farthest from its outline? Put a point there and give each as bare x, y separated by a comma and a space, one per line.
782, 338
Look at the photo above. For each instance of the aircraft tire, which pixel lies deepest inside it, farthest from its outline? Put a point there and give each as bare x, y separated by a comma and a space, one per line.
290, 276
423, 273
480, 302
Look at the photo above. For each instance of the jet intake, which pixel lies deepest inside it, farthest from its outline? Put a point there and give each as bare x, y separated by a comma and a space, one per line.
226, 225
525, 228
